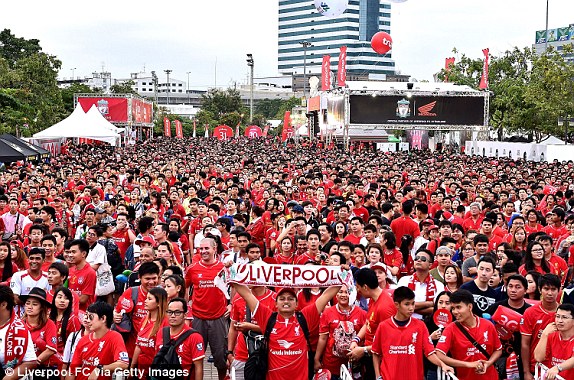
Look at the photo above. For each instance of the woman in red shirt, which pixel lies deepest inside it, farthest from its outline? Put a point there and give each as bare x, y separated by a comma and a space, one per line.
7, 268
534, 260
156, 305
66, 321
285, 254
18, 256
42, 329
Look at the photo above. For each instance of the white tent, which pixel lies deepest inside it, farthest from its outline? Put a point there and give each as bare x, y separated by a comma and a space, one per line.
96, 119
78, 125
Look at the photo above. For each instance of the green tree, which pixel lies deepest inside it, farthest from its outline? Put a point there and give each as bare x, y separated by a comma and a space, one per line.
124, 88
30, 97
287, 105
268, 107
75, 88
220, 102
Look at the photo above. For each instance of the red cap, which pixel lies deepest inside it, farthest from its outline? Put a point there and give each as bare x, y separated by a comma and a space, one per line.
433, 227
146, 239
286, 289
447, 215
428, 221
18, 243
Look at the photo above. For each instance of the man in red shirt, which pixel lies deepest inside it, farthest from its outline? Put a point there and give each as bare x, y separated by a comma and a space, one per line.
401, 341
209, 303
192, 351
123, 235
336, 317
82, 278
556, 344
470, 362
102, 351
312, 252
557, 228
149, 277
557, 263
381, 307
475, 219
535, 320
236, 346
288, 348
486, 229
356, 230
405, 225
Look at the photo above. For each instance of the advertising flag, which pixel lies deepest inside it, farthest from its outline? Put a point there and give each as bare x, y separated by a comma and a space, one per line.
342, 67
266, 130
326, 73
194, 131
178, 129
484, 77
237, 130
166, 127
206, 130
448, 64
288, 131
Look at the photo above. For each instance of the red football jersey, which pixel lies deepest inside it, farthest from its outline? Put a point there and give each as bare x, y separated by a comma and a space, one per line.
402, 348
378, 311
92, 352
559, 350
191, 350
533, 323
288, 346
83, 282
238, 315
330, 320
460, 348
208, 300
44, 337
146, 342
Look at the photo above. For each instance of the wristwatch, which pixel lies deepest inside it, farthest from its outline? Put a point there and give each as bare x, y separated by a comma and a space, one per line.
560, 369
366, 350
229, 352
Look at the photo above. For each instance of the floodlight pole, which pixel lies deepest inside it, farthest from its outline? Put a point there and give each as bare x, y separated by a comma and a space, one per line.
251, 64
168, 88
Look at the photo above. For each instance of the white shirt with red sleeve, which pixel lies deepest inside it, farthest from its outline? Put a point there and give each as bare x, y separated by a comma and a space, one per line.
457, 346
92, 352
287, 344
209, 302
401, 348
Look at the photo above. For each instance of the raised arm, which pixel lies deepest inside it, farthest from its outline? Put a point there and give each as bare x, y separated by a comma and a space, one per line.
246, 294
327, 296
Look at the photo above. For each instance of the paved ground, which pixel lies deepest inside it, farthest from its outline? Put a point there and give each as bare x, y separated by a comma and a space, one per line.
209, 371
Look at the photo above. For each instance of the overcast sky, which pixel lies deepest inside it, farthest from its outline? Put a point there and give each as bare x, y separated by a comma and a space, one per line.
191, 36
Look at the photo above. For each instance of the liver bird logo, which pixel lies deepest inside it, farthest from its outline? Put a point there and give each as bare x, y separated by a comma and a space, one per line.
285, 344
425, 110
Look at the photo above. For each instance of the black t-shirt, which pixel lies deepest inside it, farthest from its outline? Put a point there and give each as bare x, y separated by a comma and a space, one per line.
512, 345
482, 298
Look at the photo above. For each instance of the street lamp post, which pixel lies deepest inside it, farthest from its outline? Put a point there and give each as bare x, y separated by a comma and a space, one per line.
168, 88
305, 44
188, 94
251, 64
546, 38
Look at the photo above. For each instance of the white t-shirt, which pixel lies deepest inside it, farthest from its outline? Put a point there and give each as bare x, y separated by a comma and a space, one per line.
29, 356
421, 290
97, 255
69, 349
22, 282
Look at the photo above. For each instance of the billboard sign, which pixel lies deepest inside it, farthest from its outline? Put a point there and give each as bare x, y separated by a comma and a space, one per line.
114, 110
141, 111
417, 110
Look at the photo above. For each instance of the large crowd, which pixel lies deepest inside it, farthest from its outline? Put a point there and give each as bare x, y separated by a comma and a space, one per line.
111, 262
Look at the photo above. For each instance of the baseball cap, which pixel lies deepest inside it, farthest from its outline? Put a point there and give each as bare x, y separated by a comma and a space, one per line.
428, 221
433, 227
286, 289
145, 239
298, 208
379, 265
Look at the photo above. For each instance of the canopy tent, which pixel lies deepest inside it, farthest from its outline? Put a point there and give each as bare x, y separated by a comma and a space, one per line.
78, 125
10, 152
41, 152
95, 117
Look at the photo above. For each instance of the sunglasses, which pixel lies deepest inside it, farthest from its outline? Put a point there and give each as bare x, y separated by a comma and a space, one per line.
421, 258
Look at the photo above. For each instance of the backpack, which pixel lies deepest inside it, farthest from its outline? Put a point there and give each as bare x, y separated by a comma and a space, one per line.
342, 338
125, 326
257, 364
113, 256
166, 362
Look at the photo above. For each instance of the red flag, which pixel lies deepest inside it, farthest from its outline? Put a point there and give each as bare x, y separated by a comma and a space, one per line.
166, 127
266, 130
194, 132
288, 131
326, 73
342, 67
448, 63
178, 129
484, 77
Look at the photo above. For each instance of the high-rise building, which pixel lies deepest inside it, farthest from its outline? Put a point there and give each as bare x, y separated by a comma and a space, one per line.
557, 38
300, 22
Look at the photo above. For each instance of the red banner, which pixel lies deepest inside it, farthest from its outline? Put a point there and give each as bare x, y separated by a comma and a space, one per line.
112, 109
288, 131
342, 67
178, 129
266, 130
484, 77
253, 132
326, 73
223, 132
448, 63
166, 127
141, 111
